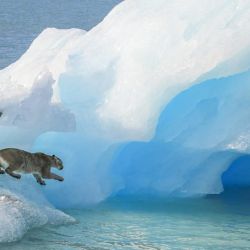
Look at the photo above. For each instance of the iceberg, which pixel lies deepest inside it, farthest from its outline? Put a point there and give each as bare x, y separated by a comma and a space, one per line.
153, 100
21, 211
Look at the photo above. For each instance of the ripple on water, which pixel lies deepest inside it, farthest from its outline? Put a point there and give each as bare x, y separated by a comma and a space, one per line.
209, 223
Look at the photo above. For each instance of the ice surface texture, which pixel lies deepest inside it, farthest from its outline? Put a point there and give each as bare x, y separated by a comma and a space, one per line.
23, 207
152, 100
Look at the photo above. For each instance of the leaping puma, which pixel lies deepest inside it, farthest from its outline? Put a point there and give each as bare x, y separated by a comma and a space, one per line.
14, 161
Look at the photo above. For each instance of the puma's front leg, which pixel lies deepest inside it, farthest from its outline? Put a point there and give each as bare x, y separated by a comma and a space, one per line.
48, 175
56, 177
39, 179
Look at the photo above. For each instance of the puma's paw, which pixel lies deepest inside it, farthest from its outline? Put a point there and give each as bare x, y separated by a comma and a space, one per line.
41, 183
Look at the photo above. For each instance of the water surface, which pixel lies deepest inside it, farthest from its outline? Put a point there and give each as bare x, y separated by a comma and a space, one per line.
22, 21
214, 222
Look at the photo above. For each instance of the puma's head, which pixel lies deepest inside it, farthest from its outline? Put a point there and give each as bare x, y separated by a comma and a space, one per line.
57, 162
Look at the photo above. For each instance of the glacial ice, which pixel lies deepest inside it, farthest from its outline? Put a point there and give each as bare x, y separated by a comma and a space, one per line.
21, 211
153, 100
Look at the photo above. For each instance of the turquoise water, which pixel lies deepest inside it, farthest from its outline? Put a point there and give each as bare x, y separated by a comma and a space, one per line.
214, 222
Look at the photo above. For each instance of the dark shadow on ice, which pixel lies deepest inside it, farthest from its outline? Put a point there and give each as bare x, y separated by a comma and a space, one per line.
238, 174
197, 138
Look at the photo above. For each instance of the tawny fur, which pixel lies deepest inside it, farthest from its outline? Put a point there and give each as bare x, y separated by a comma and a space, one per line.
15, 161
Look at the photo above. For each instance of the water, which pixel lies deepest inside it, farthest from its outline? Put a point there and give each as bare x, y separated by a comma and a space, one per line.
21, 21
215, 222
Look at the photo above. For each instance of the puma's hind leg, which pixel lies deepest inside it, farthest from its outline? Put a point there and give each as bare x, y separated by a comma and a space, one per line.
9, 171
